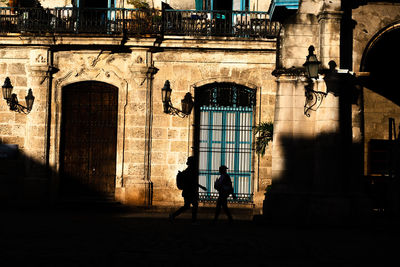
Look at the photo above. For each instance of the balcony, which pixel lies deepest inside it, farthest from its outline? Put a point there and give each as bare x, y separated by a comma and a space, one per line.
243, 24
136, 23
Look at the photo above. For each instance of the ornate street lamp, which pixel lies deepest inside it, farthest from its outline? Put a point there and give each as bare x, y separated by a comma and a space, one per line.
7, 89
187, 102
313, 98
12, 99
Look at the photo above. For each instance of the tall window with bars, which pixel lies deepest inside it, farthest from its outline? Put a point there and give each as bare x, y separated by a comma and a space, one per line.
225, 118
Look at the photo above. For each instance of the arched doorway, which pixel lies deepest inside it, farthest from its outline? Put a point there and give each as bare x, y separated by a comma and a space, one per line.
381, 97
88, 138
381, 60
382, 114
224, 120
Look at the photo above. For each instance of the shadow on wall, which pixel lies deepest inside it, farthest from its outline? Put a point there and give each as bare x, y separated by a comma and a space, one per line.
319, 183
22, 179
25, 182
322, 176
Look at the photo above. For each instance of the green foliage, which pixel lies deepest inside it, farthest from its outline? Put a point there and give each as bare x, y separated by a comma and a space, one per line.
265, 131
140, 4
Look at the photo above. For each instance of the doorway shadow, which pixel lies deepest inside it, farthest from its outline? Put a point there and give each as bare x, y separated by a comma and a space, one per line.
26, 183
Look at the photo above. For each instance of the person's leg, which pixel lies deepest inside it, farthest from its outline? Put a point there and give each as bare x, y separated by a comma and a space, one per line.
226, 209
195, 206
181, 209
217, 209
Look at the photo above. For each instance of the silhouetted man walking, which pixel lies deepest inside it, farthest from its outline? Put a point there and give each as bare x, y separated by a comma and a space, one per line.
224, 187
190, 191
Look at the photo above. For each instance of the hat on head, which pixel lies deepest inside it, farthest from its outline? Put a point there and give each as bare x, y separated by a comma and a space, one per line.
223, 167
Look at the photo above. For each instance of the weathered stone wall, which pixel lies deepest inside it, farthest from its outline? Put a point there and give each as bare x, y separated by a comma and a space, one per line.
13, 65
151, 145
26, 68
317, 23
13, 125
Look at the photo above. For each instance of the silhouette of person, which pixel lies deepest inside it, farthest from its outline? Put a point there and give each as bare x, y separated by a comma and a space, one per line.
224, 188
190, 191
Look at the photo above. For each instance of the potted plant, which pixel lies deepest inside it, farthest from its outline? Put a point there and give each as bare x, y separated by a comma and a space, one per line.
265, 131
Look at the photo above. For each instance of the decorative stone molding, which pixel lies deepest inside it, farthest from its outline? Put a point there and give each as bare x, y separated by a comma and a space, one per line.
39, 56
38, 69
331, 15
293, 71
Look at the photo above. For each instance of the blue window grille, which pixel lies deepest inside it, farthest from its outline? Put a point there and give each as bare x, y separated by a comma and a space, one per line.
225, 138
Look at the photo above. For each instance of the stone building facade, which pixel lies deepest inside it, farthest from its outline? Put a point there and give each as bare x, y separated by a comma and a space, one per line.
320, 156
151, 146
324, 163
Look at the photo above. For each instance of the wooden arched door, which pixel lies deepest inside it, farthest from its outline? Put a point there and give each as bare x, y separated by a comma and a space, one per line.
89, 138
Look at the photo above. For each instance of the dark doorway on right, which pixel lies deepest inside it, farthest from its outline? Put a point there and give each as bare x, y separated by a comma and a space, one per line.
381, 107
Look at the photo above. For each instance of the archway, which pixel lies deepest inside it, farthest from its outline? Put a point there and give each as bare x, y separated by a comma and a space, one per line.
381, 60
88, 139
382, 113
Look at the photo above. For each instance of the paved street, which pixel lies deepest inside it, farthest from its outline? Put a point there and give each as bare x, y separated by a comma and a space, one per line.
106, 238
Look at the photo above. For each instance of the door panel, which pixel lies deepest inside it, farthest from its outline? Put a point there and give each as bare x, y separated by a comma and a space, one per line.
89, 138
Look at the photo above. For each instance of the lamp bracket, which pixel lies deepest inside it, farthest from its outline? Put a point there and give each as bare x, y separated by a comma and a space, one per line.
16, 106
176, 112
313, 99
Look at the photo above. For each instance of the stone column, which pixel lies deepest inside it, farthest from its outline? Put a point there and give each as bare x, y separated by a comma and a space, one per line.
329, 25
37, 179
136, 187
293, 154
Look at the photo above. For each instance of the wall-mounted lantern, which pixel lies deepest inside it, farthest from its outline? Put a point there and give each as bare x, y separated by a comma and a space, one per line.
313, 98
187, 102
12, 99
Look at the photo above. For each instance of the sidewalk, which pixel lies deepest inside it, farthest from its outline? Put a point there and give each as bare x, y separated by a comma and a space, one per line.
107, 238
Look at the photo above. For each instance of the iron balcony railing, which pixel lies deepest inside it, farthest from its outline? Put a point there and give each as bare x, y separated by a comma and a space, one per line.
116, 21
220, 23
72, 20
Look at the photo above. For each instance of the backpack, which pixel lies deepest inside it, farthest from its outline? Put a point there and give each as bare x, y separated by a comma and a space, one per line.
223, 186
218, 184
180, 177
